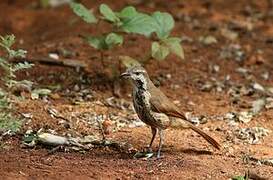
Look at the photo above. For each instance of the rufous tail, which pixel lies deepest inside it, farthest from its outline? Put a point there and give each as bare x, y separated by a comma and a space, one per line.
178, 124
212, 141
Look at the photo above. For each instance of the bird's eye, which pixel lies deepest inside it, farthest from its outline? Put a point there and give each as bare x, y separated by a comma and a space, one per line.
137, 73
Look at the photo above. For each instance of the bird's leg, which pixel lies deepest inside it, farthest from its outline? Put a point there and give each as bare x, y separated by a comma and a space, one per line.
154, 131
161, 136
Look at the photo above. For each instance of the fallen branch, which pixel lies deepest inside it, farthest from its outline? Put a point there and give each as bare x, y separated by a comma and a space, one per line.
51, 61
268, 162
84, 143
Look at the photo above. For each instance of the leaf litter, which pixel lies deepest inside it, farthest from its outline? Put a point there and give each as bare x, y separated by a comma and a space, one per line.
251, 135
32, 139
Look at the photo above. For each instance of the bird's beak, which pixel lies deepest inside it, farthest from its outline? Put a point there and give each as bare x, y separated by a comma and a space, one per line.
123, 75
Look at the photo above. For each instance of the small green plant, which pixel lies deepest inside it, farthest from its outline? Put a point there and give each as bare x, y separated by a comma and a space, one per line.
245, 177
8, 122
130, 21
239, 178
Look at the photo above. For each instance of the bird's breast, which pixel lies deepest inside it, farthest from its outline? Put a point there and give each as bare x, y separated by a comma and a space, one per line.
142, 98
141, 101
142, 105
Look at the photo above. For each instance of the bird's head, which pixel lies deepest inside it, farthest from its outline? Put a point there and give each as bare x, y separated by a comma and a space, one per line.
138, 75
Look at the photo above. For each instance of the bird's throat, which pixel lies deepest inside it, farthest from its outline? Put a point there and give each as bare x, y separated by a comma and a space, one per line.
141, 84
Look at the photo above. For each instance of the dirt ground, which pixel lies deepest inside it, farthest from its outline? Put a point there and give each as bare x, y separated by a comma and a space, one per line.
201, 84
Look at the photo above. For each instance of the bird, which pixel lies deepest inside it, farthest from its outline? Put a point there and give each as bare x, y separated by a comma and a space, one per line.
156, 110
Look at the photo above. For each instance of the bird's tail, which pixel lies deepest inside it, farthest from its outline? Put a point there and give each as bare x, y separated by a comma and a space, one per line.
208, 138
180, 124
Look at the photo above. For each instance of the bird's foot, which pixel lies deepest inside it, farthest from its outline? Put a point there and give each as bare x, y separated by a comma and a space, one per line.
158, 156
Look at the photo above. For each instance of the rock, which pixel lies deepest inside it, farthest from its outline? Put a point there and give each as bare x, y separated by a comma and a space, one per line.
228, 34
245, 116
269, 103
54, 56
258, 105
258, 87
207, 40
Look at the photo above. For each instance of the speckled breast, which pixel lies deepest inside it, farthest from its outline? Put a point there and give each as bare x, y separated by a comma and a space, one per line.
142, 107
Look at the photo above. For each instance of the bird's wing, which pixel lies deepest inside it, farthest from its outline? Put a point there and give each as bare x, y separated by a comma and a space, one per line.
161, 104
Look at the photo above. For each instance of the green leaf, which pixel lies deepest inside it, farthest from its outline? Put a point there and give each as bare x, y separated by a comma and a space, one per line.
17, 53
7, 41
20, 66
2, 93
113, 39
239, 178
4, 64
97, 42
28, 138
127, 12
9, 123
140, 23
159, 51
128, 61
105, 42
44, 3
107, 12
36, 93
174, 46
83, 12
164, 22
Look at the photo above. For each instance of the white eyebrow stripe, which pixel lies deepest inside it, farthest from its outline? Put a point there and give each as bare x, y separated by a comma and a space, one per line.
140, 71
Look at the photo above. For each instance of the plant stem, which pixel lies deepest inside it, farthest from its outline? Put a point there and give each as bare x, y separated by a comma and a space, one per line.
147, 57
102, 58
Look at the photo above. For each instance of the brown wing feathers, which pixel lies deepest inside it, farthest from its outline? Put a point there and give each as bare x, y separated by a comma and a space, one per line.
161, 104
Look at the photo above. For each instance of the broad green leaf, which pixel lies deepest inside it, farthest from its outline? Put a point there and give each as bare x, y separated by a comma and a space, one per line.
104, 42
127, 12
44, 3
83, 12
140, 23
97, 42
113, 39
107, 12
165, 24
159, 51
174, 46
128, 61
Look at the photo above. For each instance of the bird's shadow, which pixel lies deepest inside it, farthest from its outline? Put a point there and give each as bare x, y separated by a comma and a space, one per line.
170, 151
196, 151
191, 151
